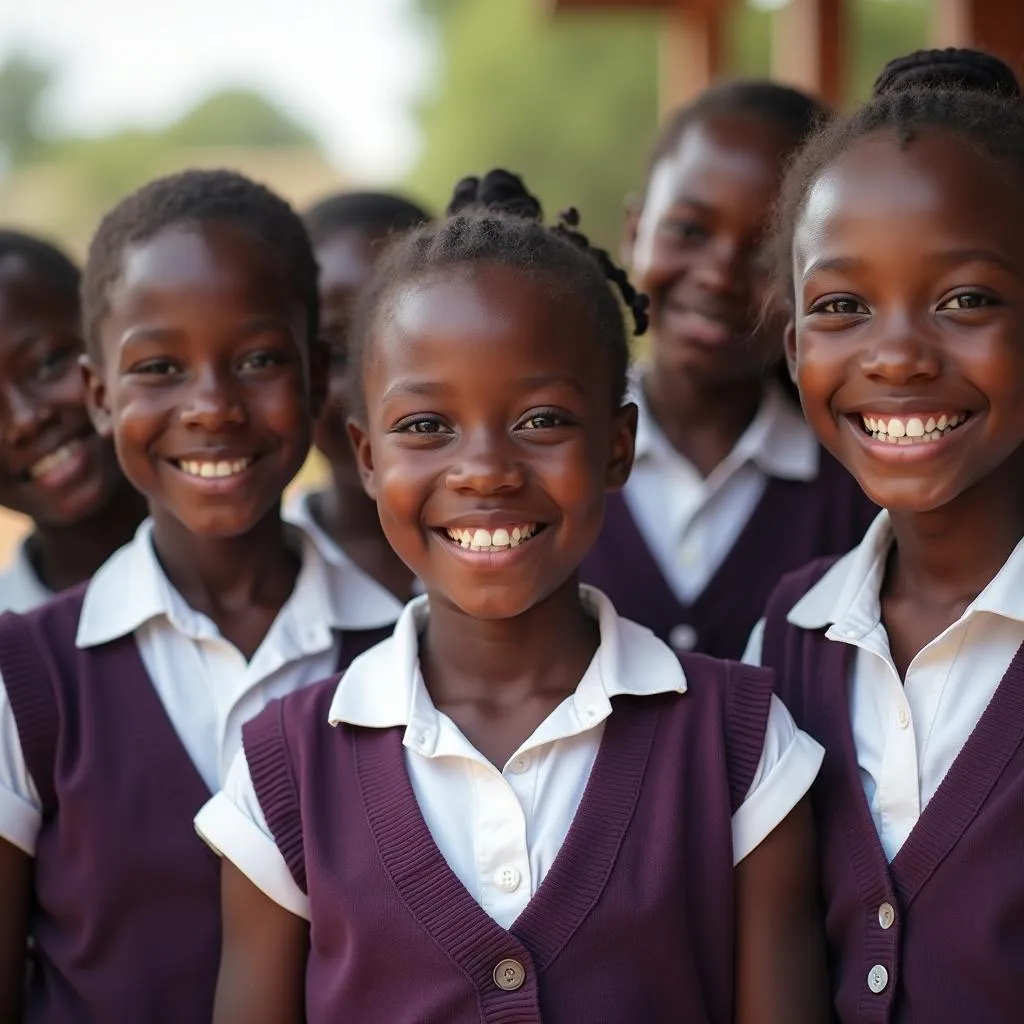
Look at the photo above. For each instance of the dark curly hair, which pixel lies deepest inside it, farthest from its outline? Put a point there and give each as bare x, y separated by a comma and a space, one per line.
193, 197
43, 258
372, 211
494, 219
972, 106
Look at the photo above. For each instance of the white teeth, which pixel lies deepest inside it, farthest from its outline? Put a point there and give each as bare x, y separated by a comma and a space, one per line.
54, 459
913, 430
479, 539
213, 470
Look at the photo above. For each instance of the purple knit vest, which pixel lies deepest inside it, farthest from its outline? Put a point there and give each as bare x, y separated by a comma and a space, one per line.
633, 922
937, 936
126, 914
794, 522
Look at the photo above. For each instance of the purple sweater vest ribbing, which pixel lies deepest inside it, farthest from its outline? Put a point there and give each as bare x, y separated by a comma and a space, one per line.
126, 910
954, 952
634, 920
794, 522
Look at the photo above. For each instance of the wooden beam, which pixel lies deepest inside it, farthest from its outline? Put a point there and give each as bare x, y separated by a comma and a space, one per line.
807, 47
993, 25
620, 6
690, 52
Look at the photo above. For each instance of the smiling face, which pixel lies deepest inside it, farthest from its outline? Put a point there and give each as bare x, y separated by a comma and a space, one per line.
908, 342
204, 381
490, 441
346, 260
54, 467
698, 249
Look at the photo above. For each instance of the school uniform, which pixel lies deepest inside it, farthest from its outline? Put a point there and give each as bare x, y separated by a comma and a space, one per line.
590, 878
121, 709
20, 587
299, 512
921, 796
695, 558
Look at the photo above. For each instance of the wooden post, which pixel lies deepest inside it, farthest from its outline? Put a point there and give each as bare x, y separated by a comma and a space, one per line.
993, 25
807, 50
690, 51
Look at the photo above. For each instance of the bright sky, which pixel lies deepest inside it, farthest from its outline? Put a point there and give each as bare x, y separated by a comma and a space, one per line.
348, 69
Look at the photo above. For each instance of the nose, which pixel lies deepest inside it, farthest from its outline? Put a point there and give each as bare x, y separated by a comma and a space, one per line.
901, 353
719, 267
213, 402
486, 464
22, 414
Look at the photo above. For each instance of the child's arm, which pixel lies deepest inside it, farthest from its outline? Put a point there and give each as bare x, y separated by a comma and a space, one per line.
263, 962
15, 896
780, 941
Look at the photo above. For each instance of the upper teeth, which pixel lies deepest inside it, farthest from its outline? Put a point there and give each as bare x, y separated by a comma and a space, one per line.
54, 459
225, 467
479, 539
911, 430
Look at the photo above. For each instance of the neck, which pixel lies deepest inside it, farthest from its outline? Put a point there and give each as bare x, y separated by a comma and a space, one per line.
951, 554
218, 574
346, 511
503, 661
701, 421
63, 556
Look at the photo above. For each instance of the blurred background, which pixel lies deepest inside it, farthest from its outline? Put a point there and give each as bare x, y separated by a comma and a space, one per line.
314, 95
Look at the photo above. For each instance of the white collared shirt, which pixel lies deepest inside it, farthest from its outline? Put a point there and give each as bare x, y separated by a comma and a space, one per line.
204, 682
298, 511
20, 588
500, 830
690, 523
908, 733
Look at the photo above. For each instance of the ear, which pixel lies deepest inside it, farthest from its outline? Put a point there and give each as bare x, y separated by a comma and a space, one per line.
622, 448
789, 344
96, 397
360, 438
633, 207
319, 368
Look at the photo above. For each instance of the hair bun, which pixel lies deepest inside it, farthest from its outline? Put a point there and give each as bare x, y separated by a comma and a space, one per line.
961, 70
496, 190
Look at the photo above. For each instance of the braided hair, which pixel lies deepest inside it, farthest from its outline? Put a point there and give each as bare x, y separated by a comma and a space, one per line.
495, 219
976, 107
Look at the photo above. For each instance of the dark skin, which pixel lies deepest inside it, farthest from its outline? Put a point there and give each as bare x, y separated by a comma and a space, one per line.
54, 467
447, 443
206, 361
344, 510
909, 286
696, 249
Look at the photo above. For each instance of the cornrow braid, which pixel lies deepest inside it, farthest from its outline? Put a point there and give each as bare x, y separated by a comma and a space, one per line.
991, 124
951, 68
494, 219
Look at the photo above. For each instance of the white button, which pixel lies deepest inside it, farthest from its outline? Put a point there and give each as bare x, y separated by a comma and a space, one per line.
507, 878
878, 978
419, 737
849, 632
682, 637
590, 712
520, 765
886, 916
509, 975
903, 717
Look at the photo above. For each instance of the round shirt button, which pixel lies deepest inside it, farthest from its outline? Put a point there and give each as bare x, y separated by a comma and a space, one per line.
903, 717
508, 878
519, 765
682, 637
878, 978
886, 916
509, 975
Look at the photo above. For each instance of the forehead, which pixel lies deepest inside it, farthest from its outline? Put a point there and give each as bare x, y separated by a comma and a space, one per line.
477, 325
346, 256
25, 293
722, 150
904, 195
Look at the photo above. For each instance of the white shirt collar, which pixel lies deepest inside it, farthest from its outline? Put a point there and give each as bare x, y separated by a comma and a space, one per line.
383, 688
847, 597
20, 588
131, 588
778, 440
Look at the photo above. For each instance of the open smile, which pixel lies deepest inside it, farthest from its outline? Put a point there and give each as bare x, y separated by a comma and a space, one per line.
497, 544
909, 437
62, 464
214, 474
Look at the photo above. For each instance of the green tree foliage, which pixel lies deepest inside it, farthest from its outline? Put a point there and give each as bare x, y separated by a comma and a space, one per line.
238, 117
23, 83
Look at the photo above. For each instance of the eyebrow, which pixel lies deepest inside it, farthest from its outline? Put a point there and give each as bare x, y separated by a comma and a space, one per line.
250, 328
948, 257
426, 388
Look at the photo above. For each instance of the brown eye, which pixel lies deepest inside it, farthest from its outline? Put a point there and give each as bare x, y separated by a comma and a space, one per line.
967, 300
841, 307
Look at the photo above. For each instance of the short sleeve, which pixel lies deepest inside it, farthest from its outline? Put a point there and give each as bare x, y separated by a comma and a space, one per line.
755, 645
233, 825
21, 809
788, 766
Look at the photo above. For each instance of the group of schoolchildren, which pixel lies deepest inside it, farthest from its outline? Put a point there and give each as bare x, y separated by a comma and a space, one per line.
582, 692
